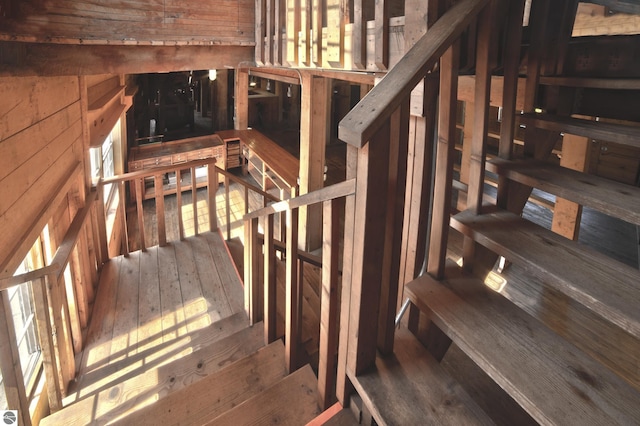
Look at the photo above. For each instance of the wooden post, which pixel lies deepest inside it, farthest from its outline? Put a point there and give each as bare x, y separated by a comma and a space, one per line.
227, 203
261, 21
162, 231
293, 308
194, 200
139, 207
123, 218
293, 31
270, 284
179, 203
222, 95
101, 228
252, 253
279, 23
368, 250
314, 134
12, 378
449, 64
398, 151
335, 27
381, 37
361, 14
343, 387
45, 333
304, 42
212, 187
316, 24
241, 99
329, 303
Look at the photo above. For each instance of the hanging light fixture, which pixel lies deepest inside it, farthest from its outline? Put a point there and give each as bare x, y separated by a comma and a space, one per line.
289, 91
252, 82
268, 85
213, 74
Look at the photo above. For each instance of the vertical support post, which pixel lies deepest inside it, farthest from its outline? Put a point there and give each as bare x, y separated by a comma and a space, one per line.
304, 43
252, 253
162, 231
293, 311
194, 199
270, 284
179, 203
227, 204
212, 188
343, 387
279, 23
329, 303
241, 99
314, 133
101, 222
381, 56
369, 234
45, 332
316, 25
123, 219
398, 152
293, 31
336, 21
268, 49
361, 14
261, 20
139, 208
449, 64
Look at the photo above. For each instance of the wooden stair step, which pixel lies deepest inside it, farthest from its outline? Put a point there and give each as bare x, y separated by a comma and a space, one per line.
344, 417
215, 394
143, 386
609, 132
291, 401
410, 387
157, 356
551, 379
607, 287
607, 196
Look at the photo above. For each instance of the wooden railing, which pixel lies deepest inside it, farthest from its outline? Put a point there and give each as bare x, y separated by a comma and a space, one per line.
56, 322
157, 173
260, 300
376, 131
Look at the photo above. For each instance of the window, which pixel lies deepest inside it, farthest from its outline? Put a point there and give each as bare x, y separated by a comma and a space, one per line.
103, 160
23, 315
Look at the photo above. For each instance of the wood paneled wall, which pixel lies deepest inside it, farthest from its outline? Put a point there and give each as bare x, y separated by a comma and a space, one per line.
40, 148
133, 22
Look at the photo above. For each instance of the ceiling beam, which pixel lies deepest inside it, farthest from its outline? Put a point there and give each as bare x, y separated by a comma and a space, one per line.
27, 59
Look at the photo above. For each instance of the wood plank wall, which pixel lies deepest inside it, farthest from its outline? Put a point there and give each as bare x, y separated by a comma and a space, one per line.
132, 22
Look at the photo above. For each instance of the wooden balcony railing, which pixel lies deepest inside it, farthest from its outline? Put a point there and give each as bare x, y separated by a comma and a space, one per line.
260, 300
188, 170
377, 130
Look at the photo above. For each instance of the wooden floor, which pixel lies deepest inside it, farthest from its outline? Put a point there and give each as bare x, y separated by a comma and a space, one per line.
150, 304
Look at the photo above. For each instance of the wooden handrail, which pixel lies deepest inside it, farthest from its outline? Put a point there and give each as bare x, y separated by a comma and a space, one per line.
338, 190
375, 109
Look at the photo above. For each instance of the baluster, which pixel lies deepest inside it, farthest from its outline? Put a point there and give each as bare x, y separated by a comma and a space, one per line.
45, 333
270, 284
123, 219
101, 228
252, 290
179, 203
293, 313
139, 197
329, 302
212, 187
194, 199
227, 203
159, 191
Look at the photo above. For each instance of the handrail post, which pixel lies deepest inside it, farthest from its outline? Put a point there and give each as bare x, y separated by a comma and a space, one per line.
227, 203
123, 219
212, 188
159, 192
139, 207
45, 332
329, 302
270, 284
293, 313
194, 199
101, 231
179, 203
252, 291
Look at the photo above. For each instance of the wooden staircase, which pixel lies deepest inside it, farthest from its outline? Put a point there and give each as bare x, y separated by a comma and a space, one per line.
233, 379
531, 348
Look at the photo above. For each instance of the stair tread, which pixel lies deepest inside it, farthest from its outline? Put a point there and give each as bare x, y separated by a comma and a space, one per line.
607, 287
609, 132
218, 392
607, 196
291, 401
344, 417
411, 387
112, 401
551, 379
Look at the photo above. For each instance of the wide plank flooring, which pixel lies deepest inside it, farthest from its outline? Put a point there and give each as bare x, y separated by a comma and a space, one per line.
151, 306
